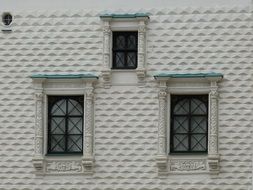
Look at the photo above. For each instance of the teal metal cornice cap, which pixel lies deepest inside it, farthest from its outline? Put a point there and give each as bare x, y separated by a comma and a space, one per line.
188, 75
65, 76
136, 15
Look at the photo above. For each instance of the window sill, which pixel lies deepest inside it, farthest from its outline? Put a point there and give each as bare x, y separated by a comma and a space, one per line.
64, 154
187, 164
123, 77
63, 164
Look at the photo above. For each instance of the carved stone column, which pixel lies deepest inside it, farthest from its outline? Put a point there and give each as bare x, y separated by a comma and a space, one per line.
141, 72
213, 152
88, 158
106, 72
38, 140
162, 155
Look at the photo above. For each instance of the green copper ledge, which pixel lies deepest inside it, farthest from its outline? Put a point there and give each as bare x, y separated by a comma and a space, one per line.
136, 15
65, 76
188, 75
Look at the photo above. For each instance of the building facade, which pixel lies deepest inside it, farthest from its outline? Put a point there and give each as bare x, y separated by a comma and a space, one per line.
145, 97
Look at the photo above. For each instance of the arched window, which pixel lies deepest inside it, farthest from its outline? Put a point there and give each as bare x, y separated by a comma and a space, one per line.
189, 124
65, 124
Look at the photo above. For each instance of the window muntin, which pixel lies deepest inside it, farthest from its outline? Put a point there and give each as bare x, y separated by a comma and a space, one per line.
65, 124
125, 50
189, 124
7, 19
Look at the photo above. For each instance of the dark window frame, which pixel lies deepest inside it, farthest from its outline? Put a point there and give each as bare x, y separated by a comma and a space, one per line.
52, 100
204, 99
125, 50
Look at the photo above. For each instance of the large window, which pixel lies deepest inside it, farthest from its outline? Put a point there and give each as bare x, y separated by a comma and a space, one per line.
125, 50
65, 124
189, 123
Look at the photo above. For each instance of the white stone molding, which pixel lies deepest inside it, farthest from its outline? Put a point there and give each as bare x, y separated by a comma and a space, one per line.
213, 149
88, 159
106, 72
110, 24
38, 138
63, 166
161, 158
141, 71
44, 164
187, 163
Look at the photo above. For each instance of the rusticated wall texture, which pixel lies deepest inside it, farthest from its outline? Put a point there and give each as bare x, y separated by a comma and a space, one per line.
126, 117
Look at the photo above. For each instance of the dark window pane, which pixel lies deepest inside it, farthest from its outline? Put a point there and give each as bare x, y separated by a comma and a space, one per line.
74, 108
180, 124
57, 143
131, 59
198, 107
198, 142
199, 124
75, 125
120, 59
58, 125
75, 143
182, 107
120, 42
131, 42
59, 108
180, 142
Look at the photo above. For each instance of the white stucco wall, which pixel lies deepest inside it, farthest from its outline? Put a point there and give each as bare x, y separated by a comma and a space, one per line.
202, 38
114, 4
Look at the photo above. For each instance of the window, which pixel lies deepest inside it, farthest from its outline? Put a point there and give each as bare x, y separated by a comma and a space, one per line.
124, 50
65, 124
189, 123
7, 19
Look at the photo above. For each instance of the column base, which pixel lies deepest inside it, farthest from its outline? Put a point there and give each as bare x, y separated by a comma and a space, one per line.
214, 163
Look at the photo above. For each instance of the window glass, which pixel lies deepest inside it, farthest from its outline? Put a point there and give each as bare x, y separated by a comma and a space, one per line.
65, 125
124, 50
189, 123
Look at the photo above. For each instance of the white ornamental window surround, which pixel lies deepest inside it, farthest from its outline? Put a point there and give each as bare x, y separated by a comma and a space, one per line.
63, 85
124, 23
187, 84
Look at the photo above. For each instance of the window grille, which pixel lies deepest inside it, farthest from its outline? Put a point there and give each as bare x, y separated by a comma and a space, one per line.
189, 124
125, 50
65, 124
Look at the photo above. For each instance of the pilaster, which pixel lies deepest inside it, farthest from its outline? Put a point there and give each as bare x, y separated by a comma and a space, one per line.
141, 71
106, 72
213, 155
161, 158
38, 160
88, 159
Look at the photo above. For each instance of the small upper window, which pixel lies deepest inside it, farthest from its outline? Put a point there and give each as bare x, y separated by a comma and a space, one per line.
189, 123
7, 19
125, 50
